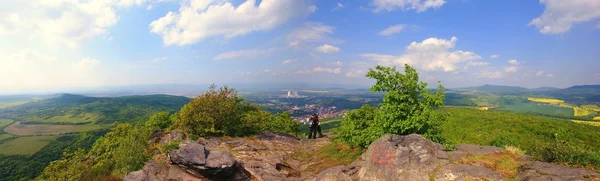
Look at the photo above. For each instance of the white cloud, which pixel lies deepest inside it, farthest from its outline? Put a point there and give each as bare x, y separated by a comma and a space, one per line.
244, 54
69, 22
549, 75
539, 73
321, 69
431, 54
266, 71
326, 48
289, 61
511, 69
338, 63
560, 15
338, 6
490, 74
87, 63
514, 62
477, 64
355, 73
394, 29
309, 32
200, 19
494, 56
149, 7
418, 5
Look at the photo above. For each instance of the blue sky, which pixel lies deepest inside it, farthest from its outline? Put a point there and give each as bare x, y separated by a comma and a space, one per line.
59, 44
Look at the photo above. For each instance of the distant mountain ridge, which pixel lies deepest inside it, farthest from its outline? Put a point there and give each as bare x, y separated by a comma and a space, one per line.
516, 89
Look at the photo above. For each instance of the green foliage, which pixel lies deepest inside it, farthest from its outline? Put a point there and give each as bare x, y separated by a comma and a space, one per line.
222, 113
172, 145
120, 151
159, 120
407, 108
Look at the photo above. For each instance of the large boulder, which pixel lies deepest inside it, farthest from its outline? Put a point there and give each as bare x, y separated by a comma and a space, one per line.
156, 171
395, 157
541, 171
214, 165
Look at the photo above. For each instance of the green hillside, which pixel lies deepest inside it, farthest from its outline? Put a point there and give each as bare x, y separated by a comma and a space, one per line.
77, 109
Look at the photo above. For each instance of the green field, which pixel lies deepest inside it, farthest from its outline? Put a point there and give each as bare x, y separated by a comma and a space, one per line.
524, 106
49, 129
71, 117
25, 145
11, 104
4, 136
5, 122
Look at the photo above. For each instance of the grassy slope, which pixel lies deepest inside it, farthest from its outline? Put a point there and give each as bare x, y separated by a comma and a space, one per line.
524, 131
49, 129
26, 145
5, 122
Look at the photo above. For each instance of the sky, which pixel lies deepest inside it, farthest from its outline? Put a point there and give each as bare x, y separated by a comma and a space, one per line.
55, 45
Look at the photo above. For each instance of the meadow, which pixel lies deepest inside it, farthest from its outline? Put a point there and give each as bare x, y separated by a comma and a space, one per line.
578, 111
11, 104
591, 107
49, 129
27, 145
521, 106
545, 100
4, 136
597, 118
69, 118
5, 122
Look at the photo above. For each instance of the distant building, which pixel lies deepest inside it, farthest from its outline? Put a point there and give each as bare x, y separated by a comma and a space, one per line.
293, 93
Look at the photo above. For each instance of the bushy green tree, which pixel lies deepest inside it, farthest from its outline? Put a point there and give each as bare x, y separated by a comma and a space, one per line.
407, 108
159, 120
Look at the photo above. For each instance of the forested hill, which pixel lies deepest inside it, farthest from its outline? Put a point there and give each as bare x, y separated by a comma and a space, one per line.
100, 110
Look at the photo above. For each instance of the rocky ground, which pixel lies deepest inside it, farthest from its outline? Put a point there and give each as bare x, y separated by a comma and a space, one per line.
275, 156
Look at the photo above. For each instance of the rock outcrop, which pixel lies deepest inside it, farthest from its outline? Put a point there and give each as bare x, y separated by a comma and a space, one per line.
275, 156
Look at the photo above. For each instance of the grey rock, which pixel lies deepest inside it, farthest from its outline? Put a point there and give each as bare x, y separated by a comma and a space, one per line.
189, 155
457, 155
476, 150
151, 171
538, 171
334, 174
155, 136
175, 135
463, 171
395, 157
214, 165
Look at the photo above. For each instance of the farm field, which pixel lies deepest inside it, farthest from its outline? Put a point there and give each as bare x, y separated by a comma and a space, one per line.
11, 104
4, 136
591, 107
67, 118
5, 122
48, 129
597, 118
525, 107
581, 111
593, 123
27, 145
545, 100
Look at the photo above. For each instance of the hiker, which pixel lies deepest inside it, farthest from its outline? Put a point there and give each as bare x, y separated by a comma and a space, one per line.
314, 127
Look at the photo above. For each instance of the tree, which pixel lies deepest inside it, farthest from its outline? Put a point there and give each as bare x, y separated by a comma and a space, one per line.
407, 108
159, 120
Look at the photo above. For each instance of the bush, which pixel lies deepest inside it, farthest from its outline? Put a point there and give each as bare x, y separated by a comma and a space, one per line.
159, 120
172, 145
222, 113
407, 108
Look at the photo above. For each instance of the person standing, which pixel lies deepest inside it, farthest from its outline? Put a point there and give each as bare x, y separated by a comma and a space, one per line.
312, 122
318, 126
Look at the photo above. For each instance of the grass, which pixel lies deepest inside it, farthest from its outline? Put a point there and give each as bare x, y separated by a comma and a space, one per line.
66, 118
48, 129
545, 100
25, 145
593, 123
5, 122
506, 163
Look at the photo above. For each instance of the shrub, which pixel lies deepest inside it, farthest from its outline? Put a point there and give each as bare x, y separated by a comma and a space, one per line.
159, 120
407, 108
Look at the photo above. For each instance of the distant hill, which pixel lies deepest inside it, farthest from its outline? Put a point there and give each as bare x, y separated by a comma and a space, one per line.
587, 87
107, 109
545, 89
494, 89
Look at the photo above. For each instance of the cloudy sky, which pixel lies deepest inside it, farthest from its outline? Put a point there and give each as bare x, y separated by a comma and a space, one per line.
58, 44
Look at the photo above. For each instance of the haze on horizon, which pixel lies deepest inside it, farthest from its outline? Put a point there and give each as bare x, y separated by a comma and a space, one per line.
56, 45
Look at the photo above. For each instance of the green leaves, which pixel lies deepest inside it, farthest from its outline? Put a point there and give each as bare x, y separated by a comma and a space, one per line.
407, 108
